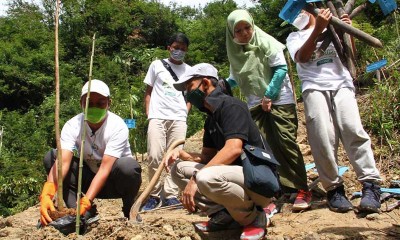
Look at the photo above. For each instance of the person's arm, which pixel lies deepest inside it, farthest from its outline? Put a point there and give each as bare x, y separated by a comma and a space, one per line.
209, 156
228, 154
147, 96
188, 106
275, 85
101, 176
205, 156
306, 51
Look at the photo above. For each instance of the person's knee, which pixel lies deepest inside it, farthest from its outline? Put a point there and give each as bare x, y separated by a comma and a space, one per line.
128, 167
176, 175
206, 182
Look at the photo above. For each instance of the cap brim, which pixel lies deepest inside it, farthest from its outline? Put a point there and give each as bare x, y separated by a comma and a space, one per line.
181, 84
102, 94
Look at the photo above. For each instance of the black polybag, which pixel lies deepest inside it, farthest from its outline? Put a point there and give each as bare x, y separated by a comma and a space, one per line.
67, 224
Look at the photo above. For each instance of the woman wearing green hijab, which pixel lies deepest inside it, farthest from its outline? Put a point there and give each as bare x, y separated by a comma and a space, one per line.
259, 68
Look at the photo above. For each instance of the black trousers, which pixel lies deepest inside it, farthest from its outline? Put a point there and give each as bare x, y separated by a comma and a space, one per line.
123, 182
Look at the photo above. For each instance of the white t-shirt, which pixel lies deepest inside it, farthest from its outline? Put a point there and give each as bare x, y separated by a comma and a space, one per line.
166, 102
324, 72
111, 139
286, 93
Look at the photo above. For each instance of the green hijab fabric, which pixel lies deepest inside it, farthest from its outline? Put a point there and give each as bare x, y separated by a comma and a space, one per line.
249, 63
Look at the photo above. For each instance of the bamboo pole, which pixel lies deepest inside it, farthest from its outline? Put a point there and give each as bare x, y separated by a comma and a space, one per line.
83, 135
60, 198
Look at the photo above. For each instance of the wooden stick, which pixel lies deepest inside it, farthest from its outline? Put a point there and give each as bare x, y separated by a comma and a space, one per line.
358, 9
133, 214
349, 6
348, 45
332, 35
60, 198
348, 28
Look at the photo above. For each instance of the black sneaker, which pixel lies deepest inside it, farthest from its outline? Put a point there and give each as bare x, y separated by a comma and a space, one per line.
370, 201
337, 200
219, 221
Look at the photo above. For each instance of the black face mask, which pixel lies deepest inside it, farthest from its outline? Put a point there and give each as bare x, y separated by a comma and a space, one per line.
196, 98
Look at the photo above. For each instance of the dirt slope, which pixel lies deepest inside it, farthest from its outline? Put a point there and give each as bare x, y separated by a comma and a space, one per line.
317, 223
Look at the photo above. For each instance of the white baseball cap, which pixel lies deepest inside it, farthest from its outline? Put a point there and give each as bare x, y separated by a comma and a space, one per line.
198, 70
96, 86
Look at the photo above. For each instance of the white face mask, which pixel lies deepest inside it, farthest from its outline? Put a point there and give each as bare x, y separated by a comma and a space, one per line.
301, 21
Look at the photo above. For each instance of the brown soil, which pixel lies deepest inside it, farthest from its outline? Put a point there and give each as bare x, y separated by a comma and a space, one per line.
59, 214
317, 223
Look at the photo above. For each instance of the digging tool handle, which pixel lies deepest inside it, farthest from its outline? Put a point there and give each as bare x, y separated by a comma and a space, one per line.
135, 207
348, 28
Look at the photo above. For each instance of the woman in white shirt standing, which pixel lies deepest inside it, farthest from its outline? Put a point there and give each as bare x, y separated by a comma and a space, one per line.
332, 113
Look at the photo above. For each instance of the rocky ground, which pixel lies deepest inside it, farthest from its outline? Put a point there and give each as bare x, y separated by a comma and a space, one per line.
316, 223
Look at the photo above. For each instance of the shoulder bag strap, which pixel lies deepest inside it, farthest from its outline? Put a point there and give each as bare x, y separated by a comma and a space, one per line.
168, 67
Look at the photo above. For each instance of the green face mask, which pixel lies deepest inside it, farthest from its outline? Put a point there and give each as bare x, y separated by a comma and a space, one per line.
196, 98
96, 115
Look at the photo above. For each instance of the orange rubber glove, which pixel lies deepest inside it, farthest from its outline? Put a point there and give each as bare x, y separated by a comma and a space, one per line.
86, 205
46, 202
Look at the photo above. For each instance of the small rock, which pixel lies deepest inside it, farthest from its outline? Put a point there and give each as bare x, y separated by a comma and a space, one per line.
186, 238
312, 236
137, 237
4, 233
373, 216
170, 230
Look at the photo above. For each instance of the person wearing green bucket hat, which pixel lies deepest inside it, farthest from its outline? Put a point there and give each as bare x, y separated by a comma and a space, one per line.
109, 169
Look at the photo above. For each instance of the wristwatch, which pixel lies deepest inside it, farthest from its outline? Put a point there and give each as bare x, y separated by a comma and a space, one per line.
194, 174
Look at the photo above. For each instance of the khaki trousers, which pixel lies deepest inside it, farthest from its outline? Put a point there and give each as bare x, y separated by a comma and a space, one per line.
220, 187
160, 135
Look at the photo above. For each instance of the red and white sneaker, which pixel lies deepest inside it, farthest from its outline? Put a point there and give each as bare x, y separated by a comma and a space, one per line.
303, 200
270, 210
256, 230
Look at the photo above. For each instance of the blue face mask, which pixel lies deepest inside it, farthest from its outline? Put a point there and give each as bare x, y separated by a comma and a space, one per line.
178, 55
